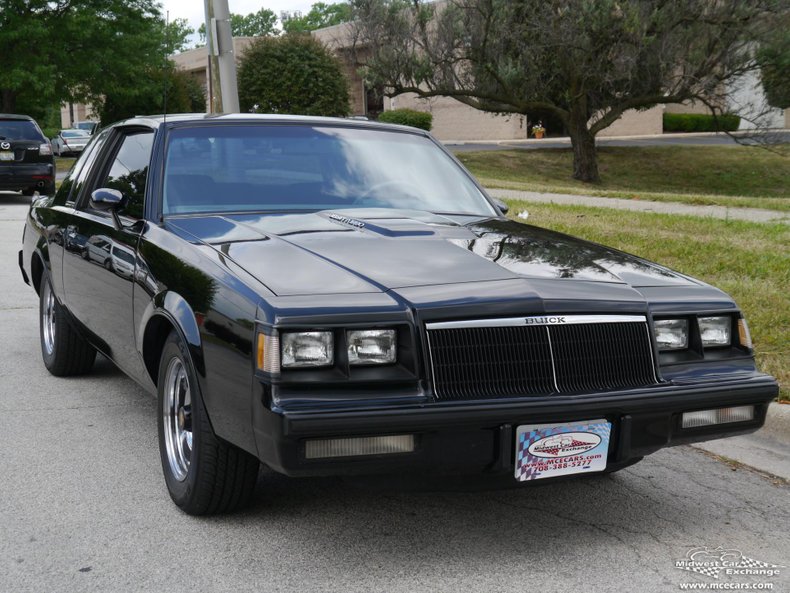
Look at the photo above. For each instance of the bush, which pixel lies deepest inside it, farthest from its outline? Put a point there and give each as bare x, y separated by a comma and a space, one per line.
408, 117
293, 74
50, 133
698, 122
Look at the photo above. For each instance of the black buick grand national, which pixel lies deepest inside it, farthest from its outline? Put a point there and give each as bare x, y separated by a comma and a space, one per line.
333, 297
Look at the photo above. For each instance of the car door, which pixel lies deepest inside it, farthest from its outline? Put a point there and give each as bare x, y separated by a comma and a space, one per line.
98, 286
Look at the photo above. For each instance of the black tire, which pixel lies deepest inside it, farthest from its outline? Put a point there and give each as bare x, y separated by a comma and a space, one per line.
28, 192
64, 351
218, 477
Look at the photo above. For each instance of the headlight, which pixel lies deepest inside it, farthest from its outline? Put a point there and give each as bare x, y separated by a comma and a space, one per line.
307, 349
671, 334
715, 331
371, 346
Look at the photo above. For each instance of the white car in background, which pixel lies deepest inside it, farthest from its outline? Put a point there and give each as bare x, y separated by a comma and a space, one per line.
70, 141
122, 260
87, 126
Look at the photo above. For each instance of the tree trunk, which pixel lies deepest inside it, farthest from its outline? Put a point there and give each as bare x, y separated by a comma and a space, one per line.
7, 101
585, 158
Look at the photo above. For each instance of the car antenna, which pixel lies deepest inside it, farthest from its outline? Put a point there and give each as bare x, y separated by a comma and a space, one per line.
164, 88
164, 78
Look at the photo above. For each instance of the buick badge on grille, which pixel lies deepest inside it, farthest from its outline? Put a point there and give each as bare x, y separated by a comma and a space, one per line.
544, 320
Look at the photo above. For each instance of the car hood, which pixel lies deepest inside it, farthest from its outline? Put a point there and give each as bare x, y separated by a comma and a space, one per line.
349, 251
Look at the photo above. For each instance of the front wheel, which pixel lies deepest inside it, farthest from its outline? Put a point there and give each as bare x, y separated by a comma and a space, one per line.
64, 351
204, 474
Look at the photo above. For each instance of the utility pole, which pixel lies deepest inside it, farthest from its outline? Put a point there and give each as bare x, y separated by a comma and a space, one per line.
223, 90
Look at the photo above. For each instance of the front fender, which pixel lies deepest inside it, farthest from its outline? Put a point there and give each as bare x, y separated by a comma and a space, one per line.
172, 307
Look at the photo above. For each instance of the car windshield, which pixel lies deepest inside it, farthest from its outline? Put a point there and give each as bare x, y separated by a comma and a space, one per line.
123, 255
243, 168
19, 129
74, 134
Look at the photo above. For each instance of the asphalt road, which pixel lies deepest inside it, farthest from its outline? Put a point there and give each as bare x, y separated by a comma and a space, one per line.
84, 507
665, 140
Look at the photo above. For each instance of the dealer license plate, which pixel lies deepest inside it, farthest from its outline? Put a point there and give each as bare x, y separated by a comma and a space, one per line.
551, 450
6, 156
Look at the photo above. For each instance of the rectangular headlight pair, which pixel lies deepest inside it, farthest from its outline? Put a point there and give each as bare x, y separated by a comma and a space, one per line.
673, 334
315, 349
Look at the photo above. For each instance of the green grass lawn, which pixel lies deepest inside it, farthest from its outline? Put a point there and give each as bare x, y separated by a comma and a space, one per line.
63, 163
749, 261
737, 176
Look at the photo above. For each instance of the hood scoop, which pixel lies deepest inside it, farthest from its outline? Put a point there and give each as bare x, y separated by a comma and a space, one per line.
389, 228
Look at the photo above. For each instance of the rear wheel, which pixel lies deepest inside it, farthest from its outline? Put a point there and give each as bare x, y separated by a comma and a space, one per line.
64, 351
204, 474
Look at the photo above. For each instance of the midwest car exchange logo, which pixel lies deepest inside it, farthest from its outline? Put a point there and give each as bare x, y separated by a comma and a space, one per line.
713, 562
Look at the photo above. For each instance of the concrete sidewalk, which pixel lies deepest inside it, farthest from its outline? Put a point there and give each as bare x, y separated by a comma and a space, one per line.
748, 137
720, 212
767, 450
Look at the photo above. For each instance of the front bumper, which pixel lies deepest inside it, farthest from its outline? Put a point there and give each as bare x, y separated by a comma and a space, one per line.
478, 437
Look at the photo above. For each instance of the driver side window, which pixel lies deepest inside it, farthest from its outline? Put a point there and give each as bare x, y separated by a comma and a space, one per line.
129, 171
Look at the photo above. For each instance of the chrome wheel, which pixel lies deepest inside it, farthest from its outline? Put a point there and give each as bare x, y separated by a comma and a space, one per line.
177, 413
48, 319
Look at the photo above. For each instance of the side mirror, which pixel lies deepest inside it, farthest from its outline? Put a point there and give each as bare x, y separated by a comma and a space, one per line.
501, 205
109, 200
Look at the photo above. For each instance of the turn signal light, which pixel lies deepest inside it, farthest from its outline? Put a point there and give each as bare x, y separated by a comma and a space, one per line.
357, 446
267, 353
744, 336
720, 416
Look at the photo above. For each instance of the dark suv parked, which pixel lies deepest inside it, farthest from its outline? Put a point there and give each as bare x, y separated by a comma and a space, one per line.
26, 161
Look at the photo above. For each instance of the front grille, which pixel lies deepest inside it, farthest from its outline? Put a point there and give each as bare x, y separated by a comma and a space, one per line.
509, 358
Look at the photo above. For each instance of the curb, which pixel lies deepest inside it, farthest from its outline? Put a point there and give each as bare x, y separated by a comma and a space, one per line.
567, 140
719, 212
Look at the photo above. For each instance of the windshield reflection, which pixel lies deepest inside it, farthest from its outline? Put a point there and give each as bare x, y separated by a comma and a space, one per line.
253, 168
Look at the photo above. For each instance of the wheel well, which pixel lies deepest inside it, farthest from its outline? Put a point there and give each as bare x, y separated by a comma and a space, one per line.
156, 333
36, 272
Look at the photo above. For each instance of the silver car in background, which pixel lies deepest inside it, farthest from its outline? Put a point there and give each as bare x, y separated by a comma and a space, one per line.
70, 141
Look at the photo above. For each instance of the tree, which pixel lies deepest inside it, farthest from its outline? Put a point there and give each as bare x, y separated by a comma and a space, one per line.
321, 15
80, 50
774, 59
584, 61
292, 74
155, 79
182, 93
255, 24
